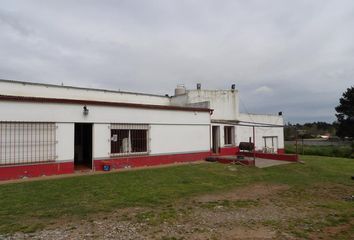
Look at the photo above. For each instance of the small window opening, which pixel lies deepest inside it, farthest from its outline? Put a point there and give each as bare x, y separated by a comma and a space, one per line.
229, 135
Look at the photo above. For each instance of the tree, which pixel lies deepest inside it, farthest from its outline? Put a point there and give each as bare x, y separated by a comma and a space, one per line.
345, 114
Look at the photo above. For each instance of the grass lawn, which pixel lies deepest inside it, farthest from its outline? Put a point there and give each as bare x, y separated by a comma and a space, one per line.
30, 206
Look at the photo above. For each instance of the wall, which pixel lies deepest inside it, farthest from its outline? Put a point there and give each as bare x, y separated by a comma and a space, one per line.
225, 149
101, 140
15, 88
262, 118
56, 112
179, 138
163, 140
65, 139
244, 132
171, 131
225, 103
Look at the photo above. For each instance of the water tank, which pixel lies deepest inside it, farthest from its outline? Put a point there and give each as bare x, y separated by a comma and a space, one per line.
180, 90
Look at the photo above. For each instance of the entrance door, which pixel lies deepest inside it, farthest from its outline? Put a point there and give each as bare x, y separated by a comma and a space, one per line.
83, 146
216, 138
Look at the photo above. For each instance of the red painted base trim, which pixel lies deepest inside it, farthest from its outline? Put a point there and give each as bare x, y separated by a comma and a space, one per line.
280, 157
35, 170
281, 151
141, 161
228, 151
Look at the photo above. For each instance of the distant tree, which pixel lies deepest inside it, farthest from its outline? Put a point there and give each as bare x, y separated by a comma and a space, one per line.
309, 130
345, 114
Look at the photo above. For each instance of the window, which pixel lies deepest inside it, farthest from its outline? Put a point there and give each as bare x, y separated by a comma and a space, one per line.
23, 142
129, 139
229, 135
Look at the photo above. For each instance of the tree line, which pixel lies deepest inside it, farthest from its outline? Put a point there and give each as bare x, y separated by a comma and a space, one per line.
342, 128
310, 130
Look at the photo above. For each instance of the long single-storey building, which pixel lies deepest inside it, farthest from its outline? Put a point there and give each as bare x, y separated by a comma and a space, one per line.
50, 129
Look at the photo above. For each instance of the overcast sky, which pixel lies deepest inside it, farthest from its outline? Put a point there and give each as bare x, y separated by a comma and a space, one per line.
290, 56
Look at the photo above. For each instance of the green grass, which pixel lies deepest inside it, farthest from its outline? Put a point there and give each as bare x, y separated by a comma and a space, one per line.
344, 151
29, 206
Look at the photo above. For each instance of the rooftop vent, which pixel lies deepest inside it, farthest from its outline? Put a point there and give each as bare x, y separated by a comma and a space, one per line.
180, 90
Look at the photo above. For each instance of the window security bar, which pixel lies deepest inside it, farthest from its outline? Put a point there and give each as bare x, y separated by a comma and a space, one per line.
129, 139
25, 142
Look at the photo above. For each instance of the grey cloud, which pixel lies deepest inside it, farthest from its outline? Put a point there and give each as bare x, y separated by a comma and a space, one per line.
302, 50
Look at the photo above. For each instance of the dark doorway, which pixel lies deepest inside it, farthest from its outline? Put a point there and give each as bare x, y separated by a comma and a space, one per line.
216, 139
83, 146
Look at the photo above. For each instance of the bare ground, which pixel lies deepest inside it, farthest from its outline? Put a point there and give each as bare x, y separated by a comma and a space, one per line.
259, 211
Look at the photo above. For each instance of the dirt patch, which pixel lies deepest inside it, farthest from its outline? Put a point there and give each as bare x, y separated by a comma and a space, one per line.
342, 232
256, 191
258, 211
243, 232
235, 232
332, 191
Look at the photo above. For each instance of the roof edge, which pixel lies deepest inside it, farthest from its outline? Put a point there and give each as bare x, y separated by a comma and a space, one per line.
79, 88
99, 103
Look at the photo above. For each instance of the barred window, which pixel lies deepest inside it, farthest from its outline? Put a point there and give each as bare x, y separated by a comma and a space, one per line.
129, 139
229, 135
23, 142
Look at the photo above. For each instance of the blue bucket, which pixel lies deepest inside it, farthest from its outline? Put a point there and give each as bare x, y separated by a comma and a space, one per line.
106, 168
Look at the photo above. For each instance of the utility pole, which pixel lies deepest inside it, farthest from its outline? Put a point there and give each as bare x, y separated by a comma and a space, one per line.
301, 133
254, 144
296, 144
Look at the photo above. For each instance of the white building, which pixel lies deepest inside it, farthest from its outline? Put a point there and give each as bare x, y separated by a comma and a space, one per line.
49, 129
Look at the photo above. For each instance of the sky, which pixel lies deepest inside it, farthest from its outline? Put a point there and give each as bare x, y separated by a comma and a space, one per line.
290, 56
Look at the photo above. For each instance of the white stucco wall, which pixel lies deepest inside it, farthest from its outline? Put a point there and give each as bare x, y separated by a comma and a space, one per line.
170, 131
14, 88
261, 118
225, 103
244, 132
65, 142
163, 139
101, 140
179, 138
56, 112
